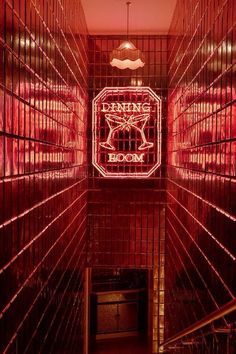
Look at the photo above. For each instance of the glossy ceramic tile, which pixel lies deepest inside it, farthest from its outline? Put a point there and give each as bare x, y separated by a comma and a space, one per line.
201, 213
43, 104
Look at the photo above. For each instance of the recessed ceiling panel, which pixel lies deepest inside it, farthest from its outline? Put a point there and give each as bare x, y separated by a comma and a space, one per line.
146, 16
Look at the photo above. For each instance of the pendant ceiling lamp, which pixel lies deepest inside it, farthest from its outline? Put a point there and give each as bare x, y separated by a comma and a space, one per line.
127, 56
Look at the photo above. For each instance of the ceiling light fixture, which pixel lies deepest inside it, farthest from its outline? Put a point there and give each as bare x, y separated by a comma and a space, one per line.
127, 56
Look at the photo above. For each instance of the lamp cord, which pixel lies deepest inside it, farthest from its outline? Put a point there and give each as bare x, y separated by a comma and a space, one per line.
128, 5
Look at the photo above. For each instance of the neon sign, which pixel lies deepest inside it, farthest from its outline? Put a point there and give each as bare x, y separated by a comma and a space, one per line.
126, 132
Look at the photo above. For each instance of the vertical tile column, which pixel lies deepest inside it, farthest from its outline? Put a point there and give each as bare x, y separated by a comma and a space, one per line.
159, 287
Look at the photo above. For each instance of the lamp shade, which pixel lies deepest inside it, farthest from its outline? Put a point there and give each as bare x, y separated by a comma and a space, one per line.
127, 56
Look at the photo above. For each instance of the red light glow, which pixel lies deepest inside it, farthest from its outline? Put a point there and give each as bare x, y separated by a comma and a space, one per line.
126, 132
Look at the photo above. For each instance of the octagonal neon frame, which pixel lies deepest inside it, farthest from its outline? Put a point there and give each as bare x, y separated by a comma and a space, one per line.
107, 125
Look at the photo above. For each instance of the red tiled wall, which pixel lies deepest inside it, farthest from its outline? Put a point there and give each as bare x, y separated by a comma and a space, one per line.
43, 185
201, 189
125, 223
125, 216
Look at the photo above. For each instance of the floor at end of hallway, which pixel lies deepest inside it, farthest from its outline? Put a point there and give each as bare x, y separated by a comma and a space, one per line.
128, 345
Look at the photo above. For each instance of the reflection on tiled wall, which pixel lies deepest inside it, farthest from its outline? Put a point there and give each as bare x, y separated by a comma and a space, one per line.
43, 185
201, 214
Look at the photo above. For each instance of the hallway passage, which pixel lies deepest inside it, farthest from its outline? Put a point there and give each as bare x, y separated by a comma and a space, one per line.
117, 183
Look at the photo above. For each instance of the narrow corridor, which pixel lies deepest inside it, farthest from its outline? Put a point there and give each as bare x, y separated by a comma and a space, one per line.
117, 176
